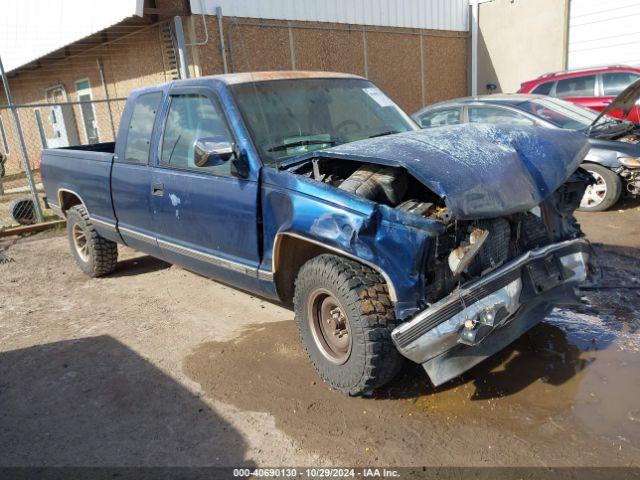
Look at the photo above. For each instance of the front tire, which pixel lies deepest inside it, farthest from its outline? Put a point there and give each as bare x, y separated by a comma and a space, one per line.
603, 194
345, 317
96, 256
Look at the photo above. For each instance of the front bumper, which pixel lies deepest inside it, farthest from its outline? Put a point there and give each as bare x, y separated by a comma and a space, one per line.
486, 315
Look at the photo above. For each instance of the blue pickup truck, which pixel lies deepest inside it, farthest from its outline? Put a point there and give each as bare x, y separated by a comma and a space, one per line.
315, 189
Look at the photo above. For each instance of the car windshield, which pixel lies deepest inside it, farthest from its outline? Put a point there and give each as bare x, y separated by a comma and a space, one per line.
558, 112
288, 118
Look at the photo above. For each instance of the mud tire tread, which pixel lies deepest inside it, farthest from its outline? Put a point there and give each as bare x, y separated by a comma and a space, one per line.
364, 294
103, 252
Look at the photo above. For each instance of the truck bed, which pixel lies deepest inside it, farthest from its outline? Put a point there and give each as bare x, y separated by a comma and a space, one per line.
105, 147
93, 166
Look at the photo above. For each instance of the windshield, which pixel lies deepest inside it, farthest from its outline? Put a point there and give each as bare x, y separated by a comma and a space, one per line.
292, 117
562, 114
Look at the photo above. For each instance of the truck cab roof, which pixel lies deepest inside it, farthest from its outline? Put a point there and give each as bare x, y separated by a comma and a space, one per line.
247, 77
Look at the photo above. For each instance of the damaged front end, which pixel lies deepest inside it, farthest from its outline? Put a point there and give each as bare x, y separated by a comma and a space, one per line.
500, 247
483, 316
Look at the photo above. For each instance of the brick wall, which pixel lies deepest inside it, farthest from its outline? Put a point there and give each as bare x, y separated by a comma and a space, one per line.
414, 67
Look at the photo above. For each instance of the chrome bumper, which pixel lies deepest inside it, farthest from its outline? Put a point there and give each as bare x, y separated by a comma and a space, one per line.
466, 317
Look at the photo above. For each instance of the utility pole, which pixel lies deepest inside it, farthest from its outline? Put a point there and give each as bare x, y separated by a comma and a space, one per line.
23, 148
182, 47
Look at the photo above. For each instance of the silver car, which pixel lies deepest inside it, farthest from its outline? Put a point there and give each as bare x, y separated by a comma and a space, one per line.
614, 158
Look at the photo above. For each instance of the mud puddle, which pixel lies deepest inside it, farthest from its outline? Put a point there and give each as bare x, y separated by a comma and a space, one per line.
566, 393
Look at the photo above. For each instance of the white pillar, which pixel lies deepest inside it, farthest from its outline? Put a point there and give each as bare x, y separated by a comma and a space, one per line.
475, 20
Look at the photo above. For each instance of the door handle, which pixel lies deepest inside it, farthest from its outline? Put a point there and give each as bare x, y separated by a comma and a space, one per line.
157, 189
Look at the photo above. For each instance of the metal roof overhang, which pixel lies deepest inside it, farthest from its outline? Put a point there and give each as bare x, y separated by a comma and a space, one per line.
129, 17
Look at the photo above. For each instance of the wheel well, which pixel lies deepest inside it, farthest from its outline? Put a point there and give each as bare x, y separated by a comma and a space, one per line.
68, 200
291, 252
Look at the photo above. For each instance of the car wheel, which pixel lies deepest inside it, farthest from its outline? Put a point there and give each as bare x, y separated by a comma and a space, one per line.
96, 256
602, 194
345, 317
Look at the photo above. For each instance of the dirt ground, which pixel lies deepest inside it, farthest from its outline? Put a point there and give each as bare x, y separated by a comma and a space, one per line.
158, 366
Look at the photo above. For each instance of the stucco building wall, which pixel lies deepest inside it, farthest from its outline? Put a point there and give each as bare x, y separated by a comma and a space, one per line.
519, 40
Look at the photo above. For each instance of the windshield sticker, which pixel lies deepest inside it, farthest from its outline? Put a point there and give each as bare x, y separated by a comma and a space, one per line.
379, 97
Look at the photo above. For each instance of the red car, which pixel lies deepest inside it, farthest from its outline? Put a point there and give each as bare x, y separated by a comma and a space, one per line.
594, 88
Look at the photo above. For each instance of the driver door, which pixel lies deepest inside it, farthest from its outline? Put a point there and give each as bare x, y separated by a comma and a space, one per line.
206, 217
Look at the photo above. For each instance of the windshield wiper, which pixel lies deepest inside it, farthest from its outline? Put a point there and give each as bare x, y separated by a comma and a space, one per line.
606, 122
299, 143
382, 134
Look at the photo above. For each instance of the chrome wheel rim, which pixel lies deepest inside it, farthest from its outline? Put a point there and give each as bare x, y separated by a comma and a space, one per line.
80, 242
595, 194
329, 326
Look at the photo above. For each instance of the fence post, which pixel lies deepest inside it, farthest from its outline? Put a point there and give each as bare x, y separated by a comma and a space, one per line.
23, 148
106, 96
220, 30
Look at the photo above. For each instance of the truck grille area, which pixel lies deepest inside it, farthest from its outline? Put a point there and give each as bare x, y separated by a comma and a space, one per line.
457, 305
500, 293
507, 238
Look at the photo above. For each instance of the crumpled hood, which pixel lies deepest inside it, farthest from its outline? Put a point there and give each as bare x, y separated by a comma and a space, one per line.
481, 171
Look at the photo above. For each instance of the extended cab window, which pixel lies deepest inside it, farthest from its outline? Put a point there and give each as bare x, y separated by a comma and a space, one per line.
141, 127
613, 83
192, 117
576, 87
497, 115
449, 116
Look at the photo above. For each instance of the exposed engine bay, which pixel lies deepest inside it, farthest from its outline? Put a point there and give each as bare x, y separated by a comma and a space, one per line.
623, 132
467, 249
391, 186
632, 138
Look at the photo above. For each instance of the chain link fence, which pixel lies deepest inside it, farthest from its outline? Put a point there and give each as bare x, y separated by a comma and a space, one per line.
47, 125
78, 100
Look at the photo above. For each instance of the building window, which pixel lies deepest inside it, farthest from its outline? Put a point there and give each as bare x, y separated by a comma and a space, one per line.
83, 89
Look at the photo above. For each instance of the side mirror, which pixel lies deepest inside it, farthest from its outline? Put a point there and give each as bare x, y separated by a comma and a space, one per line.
212, 152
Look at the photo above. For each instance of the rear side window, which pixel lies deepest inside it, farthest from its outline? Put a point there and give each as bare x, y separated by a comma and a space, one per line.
543, 88
441, 117
576, 87
613, 83
141, 127
497, 116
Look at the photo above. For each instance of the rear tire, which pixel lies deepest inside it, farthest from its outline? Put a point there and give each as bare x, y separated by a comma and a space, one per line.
345, 318
604, 193
96, 256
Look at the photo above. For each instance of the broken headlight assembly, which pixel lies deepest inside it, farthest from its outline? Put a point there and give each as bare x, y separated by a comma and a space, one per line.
630, 162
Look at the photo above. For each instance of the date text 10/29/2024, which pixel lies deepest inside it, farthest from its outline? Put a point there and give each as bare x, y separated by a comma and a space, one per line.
316, 472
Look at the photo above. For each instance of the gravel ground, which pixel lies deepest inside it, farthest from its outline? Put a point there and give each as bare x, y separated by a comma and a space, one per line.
158, 366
